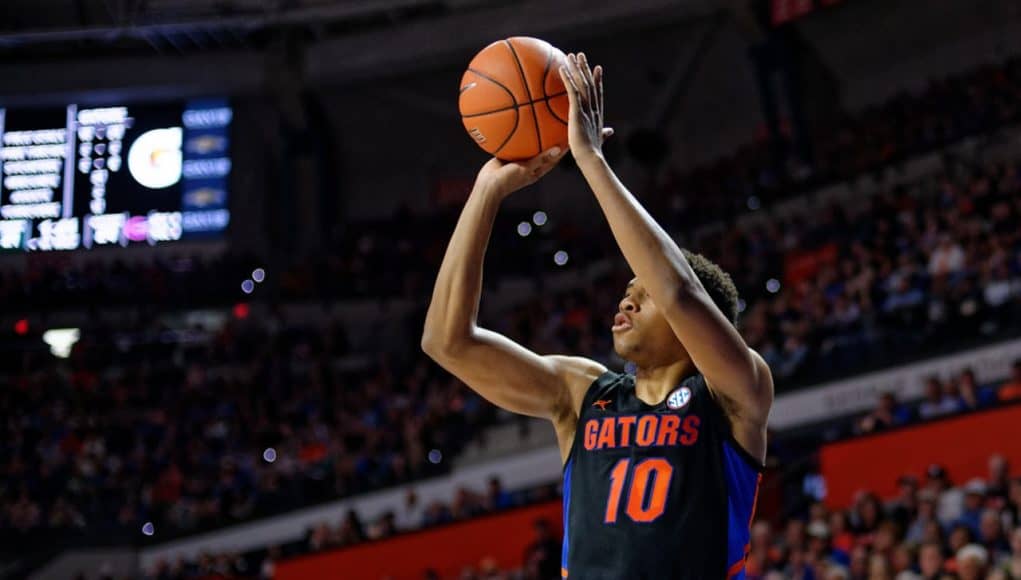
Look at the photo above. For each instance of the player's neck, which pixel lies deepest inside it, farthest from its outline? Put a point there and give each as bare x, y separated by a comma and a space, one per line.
654, 383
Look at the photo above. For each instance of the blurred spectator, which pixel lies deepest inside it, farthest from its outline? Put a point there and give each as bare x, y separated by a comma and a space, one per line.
972, 397
930, 561
950, 499
542, 557
972, 561
496, 497
410, 517
935, 404
1011, 390
888, 413
974, 499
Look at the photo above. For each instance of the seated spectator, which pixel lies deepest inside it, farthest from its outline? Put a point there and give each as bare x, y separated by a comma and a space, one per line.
906, 503
888, 413
974, 500
543, 554
999, 480
973, 397
843, 539
926, 514
991, 535
935, 404
1011, 390
410, 517
819, 541
930, 561
952, 393
496, 497
1012, 564
901, 561
951, 499
972, 561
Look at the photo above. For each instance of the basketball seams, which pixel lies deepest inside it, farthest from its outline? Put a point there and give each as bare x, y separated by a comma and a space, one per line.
517, 113
497, 83
528, 91
502, 109
546, 98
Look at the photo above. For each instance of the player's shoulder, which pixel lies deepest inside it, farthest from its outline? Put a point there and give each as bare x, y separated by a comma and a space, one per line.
577, 374
764, 374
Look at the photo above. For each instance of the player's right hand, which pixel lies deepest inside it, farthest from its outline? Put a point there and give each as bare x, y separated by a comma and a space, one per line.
503, 178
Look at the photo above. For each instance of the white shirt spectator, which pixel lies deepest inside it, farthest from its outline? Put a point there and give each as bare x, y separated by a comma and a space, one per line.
947, 258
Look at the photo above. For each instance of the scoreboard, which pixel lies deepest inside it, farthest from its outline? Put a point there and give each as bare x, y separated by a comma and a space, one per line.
86, 177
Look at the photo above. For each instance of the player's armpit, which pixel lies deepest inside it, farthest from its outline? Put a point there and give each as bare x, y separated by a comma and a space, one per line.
749, 415
515, 378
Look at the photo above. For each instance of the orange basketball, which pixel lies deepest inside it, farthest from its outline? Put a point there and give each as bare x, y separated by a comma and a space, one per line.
512, 101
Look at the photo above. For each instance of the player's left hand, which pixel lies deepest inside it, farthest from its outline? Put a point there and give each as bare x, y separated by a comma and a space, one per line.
586, 132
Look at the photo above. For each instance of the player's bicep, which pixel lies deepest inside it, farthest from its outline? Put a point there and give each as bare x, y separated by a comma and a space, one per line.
511, 376
719, 352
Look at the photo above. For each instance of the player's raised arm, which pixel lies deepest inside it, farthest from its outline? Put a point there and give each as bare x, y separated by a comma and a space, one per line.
499, 369
715, 346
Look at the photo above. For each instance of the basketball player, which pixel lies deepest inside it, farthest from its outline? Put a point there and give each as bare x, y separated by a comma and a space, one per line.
661, 468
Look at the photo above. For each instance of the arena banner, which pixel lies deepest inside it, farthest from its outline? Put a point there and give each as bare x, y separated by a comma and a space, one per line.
961, 444
837, 398
502, 538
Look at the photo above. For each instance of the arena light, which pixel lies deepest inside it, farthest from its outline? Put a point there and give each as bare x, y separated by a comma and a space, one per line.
21, 327
61, 340
524, 228
258, 275
148, 529
560, 258
435, 456
247, 286
540, 218
269, 455
772, 285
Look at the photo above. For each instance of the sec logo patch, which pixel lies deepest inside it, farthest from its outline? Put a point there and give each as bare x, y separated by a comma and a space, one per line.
679, 398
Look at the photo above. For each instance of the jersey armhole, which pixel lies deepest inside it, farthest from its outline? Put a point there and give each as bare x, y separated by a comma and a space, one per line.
741, 452
598, 386
728, 430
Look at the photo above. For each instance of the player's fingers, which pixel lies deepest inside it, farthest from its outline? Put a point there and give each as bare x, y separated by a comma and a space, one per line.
579, 79
590, 83
548, 158
599, 88
572, 89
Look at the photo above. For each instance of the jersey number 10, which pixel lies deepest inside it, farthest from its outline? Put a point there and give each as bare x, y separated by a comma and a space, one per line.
641, 507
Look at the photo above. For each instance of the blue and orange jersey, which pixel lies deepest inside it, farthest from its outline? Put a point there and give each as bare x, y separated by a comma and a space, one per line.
657, 492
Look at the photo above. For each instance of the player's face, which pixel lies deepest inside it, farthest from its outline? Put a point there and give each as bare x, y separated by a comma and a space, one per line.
641, 333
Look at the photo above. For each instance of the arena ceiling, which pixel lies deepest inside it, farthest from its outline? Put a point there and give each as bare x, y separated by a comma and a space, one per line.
55, 28
64, 48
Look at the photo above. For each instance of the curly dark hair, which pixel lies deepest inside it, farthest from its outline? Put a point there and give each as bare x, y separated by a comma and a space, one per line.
717, 283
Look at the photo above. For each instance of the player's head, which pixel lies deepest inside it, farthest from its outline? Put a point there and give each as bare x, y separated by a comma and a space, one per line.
647, 339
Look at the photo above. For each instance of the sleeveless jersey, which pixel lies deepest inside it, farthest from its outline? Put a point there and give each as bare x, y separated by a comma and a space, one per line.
656, 492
